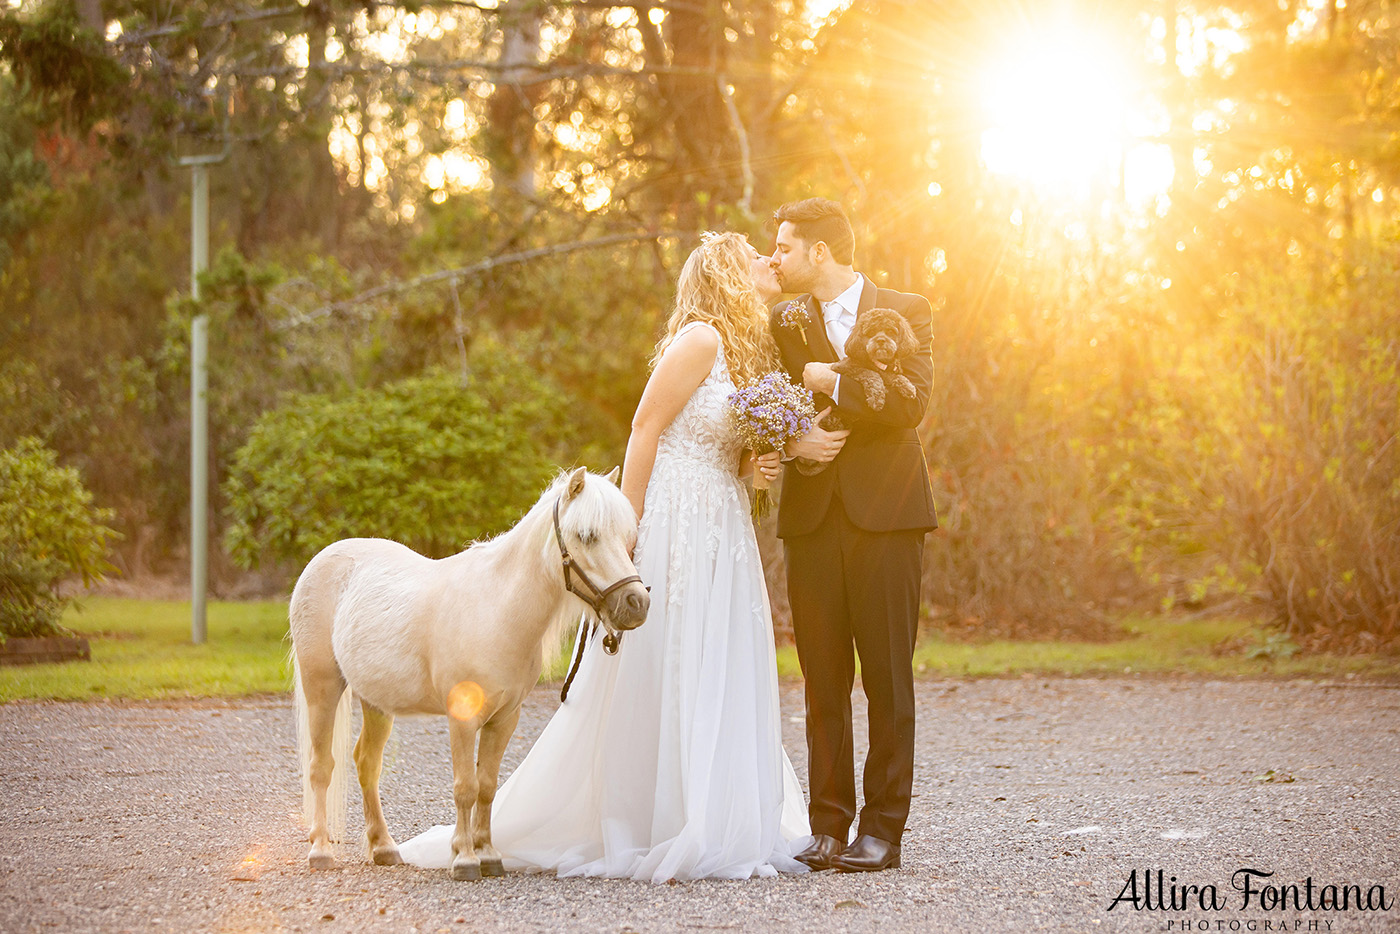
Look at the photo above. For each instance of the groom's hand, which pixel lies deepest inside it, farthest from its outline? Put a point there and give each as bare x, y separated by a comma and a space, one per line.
819, 377
818, 444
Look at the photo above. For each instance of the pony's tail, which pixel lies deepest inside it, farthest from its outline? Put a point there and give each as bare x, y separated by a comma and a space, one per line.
338, 794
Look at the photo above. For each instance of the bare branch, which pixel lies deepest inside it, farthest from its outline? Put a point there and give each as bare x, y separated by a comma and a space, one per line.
476, 269
146, 35
726, 93
531, 75
251, 16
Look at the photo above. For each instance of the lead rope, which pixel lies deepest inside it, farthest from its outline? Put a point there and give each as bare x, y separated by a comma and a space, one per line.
584, 632
611, 643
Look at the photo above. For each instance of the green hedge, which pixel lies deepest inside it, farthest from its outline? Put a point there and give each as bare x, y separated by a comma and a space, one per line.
433, 462
49, 530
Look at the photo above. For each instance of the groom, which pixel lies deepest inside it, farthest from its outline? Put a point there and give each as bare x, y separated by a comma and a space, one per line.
853, 539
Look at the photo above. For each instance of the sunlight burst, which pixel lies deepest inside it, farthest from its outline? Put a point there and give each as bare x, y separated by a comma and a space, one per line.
1061, 116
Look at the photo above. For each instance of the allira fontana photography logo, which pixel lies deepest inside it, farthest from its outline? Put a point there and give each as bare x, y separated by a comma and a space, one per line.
1249, 889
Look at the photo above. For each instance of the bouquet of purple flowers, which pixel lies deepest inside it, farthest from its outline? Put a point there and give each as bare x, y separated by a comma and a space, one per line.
768, 415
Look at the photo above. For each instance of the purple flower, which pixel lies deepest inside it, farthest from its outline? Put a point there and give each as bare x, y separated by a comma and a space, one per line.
771, 412
794, 315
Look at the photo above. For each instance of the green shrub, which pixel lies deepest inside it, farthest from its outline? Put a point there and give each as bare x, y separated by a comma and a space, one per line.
49, 530
429, 462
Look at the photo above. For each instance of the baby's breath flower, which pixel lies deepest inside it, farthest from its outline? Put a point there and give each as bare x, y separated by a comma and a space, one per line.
767, 415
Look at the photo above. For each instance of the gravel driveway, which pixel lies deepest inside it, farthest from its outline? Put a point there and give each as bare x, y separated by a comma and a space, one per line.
1036, 802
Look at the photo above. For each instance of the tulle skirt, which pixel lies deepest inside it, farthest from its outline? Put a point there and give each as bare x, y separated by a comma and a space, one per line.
666, 761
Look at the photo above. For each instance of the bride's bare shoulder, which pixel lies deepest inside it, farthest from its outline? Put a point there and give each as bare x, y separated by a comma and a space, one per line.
694, 346
699, 334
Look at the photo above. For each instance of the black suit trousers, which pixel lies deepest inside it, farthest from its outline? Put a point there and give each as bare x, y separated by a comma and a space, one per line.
852, 588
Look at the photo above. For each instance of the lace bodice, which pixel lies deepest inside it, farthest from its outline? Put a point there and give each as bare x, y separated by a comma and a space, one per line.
694, 482
702, 433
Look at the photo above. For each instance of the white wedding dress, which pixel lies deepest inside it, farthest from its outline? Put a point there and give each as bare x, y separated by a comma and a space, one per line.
666, 761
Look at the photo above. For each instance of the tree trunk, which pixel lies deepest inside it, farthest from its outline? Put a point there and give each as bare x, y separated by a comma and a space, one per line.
704, 154
1180, 142
754, 79
510, 134
323, 186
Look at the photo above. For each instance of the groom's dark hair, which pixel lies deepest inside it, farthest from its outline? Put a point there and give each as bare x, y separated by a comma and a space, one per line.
820, 219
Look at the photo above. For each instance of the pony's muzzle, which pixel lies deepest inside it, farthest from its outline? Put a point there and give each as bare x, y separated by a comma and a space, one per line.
627, 608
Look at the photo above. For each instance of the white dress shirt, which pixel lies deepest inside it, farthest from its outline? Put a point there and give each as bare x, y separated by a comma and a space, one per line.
839, 315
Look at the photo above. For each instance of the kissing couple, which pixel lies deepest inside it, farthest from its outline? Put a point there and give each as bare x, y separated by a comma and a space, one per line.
666, 761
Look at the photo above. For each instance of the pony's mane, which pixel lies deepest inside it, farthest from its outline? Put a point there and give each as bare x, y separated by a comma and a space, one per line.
600, 507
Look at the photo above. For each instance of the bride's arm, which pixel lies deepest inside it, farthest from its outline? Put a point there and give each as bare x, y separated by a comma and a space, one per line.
679, 372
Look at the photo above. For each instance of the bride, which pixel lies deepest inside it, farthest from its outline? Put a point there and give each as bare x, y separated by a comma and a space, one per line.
666, 761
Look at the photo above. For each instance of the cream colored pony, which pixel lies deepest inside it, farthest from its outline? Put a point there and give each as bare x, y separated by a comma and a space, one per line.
465, 636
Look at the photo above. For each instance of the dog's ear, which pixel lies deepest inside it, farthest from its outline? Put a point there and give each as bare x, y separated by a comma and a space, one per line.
855, 344
908, 343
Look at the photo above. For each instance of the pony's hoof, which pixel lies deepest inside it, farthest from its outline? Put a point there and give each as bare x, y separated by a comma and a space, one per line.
466, 872
321, 861
388, 857
492, 868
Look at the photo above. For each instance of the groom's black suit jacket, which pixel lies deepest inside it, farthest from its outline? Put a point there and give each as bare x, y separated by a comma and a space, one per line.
880, 473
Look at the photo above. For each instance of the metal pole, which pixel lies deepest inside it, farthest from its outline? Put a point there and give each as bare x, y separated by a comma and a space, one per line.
199, 397
199, 411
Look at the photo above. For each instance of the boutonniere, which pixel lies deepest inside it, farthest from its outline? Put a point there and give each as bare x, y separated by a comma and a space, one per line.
794, 315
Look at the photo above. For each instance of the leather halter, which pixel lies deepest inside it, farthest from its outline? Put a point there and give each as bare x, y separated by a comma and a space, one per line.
595, 599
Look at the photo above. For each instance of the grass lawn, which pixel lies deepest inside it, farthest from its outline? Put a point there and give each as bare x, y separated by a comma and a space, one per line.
141, 649
1150, 645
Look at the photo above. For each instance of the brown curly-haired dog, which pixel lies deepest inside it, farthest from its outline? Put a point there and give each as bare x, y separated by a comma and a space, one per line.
881, 338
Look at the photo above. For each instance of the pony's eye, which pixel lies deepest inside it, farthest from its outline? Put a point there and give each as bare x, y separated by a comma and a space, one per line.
588, 536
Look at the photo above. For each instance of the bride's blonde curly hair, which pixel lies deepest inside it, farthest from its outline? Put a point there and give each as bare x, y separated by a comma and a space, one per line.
716, 286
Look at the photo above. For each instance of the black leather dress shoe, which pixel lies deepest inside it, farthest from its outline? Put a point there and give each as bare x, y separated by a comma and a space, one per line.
867, 854
820, 853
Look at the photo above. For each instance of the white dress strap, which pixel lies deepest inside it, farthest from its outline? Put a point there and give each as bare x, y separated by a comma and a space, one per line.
701, 324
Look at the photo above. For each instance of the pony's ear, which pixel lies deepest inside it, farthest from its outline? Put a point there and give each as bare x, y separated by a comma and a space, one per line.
615, 475
575, 483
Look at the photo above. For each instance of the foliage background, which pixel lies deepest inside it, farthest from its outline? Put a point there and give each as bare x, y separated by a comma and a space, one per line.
1189, 402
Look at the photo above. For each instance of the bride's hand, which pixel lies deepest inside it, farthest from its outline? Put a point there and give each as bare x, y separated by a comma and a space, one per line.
765, 469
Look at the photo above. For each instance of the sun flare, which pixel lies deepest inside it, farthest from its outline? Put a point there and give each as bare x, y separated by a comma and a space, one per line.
1061, 116
465, 700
